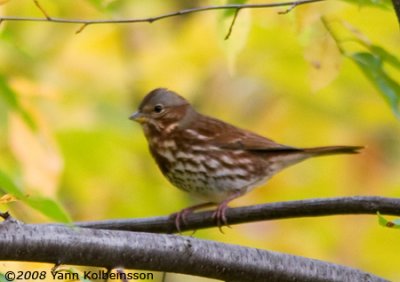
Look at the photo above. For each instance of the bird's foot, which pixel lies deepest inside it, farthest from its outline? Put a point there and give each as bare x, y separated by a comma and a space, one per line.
180, 217
220, 217
219, 214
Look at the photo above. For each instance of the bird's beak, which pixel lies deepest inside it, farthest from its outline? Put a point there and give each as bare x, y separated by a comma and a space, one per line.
138, 116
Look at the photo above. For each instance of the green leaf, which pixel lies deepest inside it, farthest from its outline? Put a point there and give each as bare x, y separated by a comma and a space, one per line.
97, 3
10, 96
382, 4
3, 278
8, 186
230, 12
106, 5
372, 67
385, 55
386, 223
48, 207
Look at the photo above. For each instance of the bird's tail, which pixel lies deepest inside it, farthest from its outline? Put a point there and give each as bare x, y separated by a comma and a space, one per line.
285, 157
333, 150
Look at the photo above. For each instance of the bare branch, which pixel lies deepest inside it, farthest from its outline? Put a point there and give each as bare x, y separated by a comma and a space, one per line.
270, 211
161, 252
151, 19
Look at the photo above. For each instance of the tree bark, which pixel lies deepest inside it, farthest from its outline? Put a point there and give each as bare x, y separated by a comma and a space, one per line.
161, 252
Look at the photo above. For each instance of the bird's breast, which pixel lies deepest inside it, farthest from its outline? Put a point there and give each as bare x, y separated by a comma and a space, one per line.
206, 170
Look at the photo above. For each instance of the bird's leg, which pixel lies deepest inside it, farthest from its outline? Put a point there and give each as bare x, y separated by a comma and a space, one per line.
180, 217
219, 213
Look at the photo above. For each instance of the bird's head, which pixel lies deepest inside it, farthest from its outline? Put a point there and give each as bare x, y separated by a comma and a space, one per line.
161, 110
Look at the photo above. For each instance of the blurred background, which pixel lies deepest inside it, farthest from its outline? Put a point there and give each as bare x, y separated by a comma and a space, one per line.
68, 147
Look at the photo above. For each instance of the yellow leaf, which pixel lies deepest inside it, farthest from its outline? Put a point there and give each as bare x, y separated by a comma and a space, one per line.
320, 49
237, 40
7, 198
325, 59
36, 152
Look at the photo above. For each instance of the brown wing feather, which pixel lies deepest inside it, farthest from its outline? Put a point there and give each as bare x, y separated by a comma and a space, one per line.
227, 136
224, 135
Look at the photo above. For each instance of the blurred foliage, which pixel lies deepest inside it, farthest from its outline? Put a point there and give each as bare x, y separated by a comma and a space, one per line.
383, 4
373, 68
371, 63
388, 223
45, 205
311, 77
10, 97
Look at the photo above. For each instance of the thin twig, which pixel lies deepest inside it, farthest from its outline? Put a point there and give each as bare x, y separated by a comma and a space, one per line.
42, 10
81, 28
328, 27
288, 9
152, 19
232, 24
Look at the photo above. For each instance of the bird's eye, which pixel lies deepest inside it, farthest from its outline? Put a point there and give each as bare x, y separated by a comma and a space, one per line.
158, 108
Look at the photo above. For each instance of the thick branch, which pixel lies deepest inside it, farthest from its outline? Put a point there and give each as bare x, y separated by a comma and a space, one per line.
160, 252
47, 18
270, 211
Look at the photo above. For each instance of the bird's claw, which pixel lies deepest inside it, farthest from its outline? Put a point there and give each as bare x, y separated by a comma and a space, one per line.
180, 217
220, 217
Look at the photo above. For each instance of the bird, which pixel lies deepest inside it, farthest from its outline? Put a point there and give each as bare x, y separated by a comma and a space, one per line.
211, 159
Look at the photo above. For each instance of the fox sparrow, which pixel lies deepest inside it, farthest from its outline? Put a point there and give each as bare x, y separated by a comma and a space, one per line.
209, 158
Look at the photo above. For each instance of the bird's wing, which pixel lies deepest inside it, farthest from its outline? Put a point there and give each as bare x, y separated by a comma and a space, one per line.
230, 137
251, 142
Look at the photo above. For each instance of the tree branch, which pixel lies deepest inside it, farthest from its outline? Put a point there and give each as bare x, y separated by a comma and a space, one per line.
85, 23
396, 6
160, 252
270, 211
